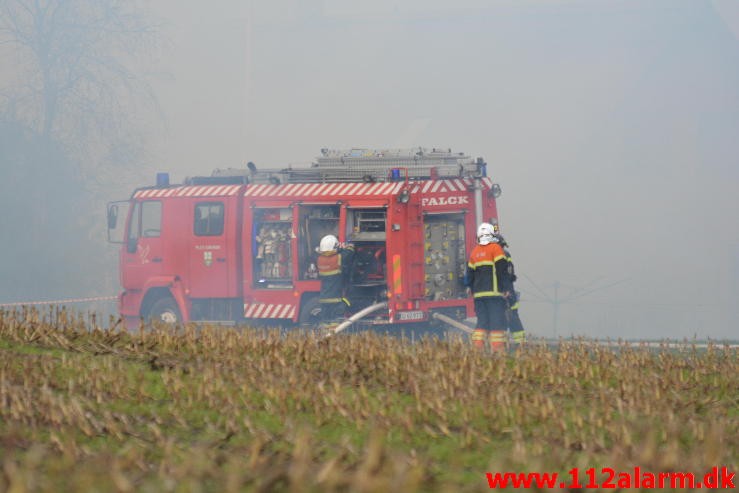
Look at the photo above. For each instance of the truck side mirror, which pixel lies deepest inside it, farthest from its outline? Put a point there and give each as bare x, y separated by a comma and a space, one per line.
112, 216
131, 245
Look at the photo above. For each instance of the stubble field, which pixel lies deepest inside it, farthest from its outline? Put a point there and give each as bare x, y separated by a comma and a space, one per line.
227, 410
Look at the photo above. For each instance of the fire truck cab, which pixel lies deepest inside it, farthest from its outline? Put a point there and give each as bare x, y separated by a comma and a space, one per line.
240, 245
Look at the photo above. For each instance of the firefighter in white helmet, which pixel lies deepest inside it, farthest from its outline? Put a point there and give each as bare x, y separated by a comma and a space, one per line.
334, 263
488, 278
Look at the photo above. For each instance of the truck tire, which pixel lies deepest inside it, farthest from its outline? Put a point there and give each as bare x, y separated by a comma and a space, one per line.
310, 312
165, 310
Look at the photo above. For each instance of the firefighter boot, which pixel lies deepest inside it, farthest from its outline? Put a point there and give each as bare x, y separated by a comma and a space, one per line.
478, 338
519, 337
497, 340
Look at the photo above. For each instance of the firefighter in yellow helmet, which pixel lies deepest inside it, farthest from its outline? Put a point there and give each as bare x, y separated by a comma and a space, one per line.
334, 263
488, 278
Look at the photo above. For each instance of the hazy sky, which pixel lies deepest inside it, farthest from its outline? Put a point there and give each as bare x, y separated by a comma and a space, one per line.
612, 127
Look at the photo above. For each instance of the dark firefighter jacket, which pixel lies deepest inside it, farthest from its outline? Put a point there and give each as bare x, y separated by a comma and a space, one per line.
487, 271
511, 269
333, 269
512, 301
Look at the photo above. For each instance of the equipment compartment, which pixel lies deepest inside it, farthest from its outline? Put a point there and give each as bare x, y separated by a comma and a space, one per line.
272, 238
444, 256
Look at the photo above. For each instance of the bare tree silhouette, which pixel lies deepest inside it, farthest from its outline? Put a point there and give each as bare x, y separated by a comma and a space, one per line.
72, 77
69, 92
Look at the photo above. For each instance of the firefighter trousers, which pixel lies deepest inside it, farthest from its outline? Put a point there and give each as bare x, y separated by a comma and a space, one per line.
515, 325
514, 321
490, 313
332, 310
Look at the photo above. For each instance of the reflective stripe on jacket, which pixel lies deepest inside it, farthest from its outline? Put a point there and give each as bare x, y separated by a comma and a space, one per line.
487, 271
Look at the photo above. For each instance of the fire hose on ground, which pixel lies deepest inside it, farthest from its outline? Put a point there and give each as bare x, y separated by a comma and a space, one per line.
454, 323
360, 314
373, 308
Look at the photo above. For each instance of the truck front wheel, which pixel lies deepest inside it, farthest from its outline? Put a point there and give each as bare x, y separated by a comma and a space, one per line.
165, 310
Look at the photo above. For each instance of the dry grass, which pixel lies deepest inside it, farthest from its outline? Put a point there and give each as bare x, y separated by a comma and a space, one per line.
215, 409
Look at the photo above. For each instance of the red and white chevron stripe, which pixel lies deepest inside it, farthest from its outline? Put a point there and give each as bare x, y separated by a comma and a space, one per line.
193, 191
269, 310
313, 189
364, 189
323, 189
449, 185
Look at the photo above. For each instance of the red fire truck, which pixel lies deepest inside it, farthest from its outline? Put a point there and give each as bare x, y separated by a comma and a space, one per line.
240, 245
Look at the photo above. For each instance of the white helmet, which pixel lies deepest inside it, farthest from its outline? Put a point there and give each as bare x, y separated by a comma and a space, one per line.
329, 243
485, 234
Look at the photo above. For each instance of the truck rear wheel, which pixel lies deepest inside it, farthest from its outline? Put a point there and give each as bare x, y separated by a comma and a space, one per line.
165, 310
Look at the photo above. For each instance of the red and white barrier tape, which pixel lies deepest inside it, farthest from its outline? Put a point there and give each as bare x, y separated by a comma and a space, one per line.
60, 302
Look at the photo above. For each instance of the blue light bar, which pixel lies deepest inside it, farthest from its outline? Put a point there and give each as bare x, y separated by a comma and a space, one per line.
162, 179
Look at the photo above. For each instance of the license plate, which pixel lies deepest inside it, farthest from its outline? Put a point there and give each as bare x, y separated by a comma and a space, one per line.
414, 315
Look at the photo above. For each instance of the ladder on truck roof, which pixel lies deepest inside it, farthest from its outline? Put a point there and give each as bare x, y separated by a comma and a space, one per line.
368, 165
